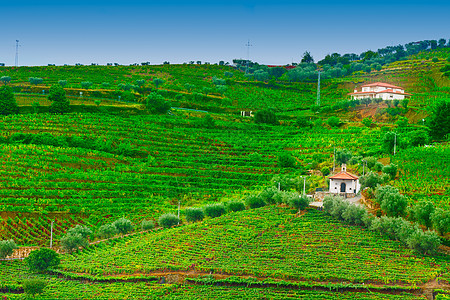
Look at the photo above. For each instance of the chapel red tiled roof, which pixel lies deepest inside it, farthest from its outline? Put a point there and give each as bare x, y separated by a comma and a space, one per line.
344, 175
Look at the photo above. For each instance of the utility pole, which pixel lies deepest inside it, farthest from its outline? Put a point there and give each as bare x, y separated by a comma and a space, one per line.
395, 141
51, 235
334, 158
304, 185
17, 53
318, 90
248, 45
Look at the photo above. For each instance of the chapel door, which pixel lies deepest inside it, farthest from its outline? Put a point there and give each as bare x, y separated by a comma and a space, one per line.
343, 187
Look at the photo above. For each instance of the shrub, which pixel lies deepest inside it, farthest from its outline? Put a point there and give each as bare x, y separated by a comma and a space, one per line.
42, 259
84, 231
8, 103
439, 120
325, 171
303, 122
168, 220
391, 170
147, 225
214, 210
370, 180
34, 286
156, 104
382, 192
333, 121
266, 116
267, 195
378, 166
236, 206
7, 248
71, 242
107, 231
343, 156
286, 160
194, 214
394, 205
254, 201
367, 122
123, 225
86, 84
354, 214
441, 220
318, 123
298, 202
57, 95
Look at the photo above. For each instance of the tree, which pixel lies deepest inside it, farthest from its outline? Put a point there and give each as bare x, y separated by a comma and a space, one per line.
86, 84
418, 137
140, 82
441, 220
266, 116
286, 160
84, 231
367, 122
343, 156
307, 58
394, 205
7, 248
57, 95
42, 259
299, 202
333, 121
423, 212
424, 242
208, 121
34, 286
107, 231
194, 214
402, 122
303, 122
62, 83
123, 225
391, 170
389, 140
325, 171
157, 82
156, 104
71, 242
168, 220
439, 120
8, 103
35, 80
5, 79
370, 180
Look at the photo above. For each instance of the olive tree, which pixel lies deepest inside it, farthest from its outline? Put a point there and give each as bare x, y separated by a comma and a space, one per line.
8, 103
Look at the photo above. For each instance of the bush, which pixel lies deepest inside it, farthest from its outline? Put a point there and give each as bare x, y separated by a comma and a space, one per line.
424, 242
71, 242
343, 156
8, 103
168, 220
7, 248
298, 202
42, 259
84, 231
370, 180
367, 122
34, 286
236, 206
267, 195
394, 205
382, 192
156, 104
325, 171
147, 225
254, 201
303, 122
123, 225
286, 160
107, 231
439, 121
441, 220
391, 170
266, 116
318, 123
57, 95
214, 210
333, 121
194, 214
354, 214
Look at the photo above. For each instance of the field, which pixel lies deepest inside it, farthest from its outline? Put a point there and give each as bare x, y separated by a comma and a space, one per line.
110, 158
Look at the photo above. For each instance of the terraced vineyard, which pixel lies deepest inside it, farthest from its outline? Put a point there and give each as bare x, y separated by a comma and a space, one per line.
266, 242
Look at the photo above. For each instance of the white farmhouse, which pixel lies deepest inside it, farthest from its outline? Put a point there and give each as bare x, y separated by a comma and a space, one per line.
344, 182
381, 90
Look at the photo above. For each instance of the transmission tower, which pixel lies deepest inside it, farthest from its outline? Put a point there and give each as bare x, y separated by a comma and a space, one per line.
318, 90
248, 45
17, 53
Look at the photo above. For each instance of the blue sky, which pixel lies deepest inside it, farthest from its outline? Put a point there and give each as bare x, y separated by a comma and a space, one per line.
132, 31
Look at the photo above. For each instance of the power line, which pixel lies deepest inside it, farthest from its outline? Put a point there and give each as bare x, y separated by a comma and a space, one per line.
318, 90
248, 45
17, 53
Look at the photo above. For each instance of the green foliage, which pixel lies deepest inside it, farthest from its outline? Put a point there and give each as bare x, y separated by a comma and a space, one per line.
254, 201
299, 203
367, 122
7, 248
441, 220
370, 180
140, 82
318, 122
439, 120
303, 122
5, 79
391, 170
402, 122
86, 84
168, 220
394, 205
71, 242
208, 121
35, 80
418, 137
325, 171
42, 259
84, 231
147, 225
389, 139
286, 160
156, 104
194, 214
424, 242
62, 83
423, 212
8, 103
158, 82
266, 116
234, 206
343, 156
34, 286
57, 95
333, 121
107, 231
123, 225
214, 210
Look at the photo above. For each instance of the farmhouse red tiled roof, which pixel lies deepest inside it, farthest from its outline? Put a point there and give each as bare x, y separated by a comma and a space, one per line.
344, 175
386, 85
384, 91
